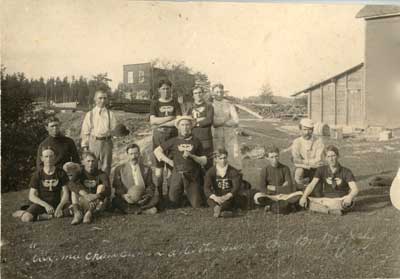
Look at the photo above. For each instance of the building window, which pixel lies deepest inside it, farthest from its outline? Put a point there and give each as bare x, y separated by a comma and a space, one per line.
141, 77
130, 77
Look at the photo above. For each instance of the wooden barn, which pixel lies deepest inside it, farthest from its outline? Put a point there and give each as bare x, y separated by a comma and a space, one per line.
368, 94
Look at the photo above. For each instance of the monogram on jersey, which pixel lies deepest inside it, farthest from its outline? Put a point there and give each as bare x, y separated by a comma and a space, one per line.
50, 184
224, 183
197, 112
185, 147
89, 183
167, 110
334, 182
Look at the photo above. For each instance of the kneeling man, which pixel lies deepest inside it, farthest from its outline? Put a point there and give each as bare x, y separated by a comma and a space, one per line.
187, 161
133, 183
334, 183
277, 192
90, 191
222, 184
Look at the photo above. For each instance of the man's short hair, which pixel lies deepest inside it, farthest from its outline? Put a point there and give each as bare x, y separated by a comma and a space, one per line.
198, 87
131, 146
165, 81
221, 151
271, 149
219, 85
99, 91
332, 148
88, 154
51, 118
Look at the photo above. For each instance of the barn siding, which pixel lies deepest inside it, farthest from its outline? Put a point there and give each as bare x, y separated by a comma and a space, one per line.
329, 103
354, 91
341, 105
382, 72
316, 105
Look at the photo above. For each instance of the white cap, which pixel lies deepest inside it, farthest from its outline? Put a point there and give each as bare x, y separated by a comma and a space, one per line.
184, 117
307, 122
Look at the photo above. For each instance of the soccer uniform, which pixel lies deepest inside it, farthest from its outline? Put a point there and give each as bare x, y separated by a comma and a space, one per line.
333, 185
163, 133
64, 148
49, 187
202, 130
186, 173
222, 185
276, 176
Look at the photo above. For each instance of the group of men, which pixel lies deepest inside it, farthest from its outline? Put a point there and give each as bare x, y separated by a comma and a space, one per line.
196, 155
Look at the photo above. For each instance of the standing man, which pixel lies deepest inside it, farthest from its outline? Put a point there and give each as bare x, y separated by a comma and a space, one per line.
96, 131
307, 154
64, 147
226, 120
187, 159
163, 112
203, 113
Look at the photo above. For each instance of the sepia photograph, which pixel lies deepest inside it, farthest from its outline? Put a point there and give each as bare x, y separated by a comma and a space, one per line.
200, 139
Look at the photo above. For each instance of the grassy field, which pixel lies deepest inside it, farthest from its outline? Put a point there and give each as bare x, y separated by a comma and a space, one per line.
188, 243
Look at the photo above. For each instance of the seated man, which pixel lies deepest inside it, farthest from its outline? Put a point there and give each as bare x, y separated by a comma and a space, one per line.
307, 154
90, 190
48, 192
277, 191
335, 183
222, 184
133, 183
187, 160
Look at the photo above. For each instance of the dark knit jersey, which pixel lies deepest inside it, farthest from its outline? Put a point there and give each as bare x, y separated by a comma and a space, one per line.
175, 147
202, 130
217, 185
64, 148
89, 181
49, 186
164, 109
333, 184
276, 176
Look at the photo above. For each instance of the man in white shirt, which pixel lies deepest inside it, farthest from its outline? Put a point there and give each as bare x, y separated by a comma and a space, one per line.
225, 122
307, 154
96, 131
133, 184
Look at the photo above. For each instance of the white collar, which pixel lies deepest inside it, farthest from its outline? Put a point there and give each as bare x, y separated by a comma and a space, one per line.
221, 171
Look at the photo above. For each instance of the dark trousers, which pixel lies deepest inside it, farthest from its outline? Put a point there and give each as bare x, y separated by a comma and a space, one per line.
185, 183
233, 203
119, 203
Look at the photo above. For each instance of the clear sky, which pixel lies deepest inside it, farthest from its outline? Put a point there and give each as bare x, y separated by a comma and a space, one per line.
242, 45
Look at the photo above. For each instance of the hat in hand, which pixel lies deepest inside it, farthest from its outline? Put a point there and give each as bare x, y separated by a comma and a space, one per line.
184, 117
120, 131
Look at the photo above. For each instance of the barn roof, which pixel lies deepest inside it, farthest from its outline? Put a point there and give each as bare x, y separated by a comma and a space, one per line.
328, 80
370, 11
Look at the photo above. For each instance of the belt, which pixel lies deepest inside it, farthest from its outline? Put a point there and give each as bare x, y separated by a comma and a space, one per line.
103, 138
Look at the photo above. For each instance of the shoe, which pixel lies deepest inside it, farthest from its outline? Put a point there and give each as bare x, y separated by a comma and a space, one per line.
150, 211
267, 208
77, 219
217, 211
87, 219
18, 213
44, 216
